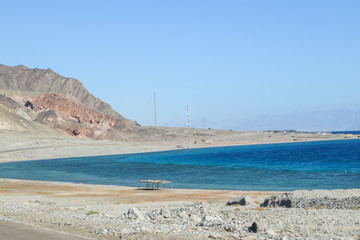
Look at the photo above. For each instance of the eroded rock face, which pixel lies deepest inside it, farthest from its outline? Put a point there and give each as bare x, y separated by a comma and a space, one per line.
67, 116
64, 104
60, 103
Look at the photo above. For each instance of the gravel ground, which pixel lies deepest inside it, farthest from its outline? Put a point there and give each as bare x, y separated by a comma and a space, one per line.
310, 214
186, 220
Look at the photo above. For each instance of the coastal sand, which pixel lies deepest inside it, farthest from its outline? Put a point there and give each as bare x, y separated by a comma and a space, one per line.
21, 146
101, 212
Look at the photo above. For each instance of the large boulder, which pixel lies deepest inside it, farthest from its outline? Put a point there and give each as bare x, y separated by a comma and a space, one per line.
279, 201
242, 201
135, 213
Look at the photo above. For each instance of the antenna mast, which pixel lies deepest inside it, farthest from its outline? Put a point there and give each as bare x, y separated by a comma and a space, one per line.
154, 109
187, 117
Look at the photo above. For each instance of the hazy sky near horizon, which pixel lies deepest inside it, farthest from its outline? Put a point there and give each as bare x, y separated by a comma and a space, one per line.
228, 60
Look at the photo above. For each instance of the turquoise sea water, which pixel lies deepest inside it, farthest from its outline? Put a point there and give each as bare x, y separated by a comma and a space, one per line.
288, 166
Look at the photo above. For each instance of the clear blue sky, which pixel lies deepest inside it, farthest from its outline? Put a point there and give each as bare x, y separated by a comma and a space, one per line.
228, 60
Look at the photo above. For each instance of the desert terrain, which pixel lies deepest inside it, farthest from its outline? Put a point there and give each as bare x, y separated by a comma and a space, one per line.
46, 116
114, 212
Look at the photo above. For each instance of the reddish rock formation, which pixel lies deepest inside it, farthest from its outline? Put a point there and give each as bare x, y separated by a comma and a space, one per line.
64, 104
70, 117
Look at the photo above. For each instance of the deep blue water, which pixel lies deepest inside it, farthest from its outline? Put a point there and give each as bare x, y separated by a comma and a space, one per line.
347, 132
288, 166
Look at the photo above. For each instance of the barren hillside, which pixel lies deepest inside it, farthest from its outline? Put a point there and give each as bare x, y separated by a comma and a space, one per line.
43, 81
38, 96
41, 101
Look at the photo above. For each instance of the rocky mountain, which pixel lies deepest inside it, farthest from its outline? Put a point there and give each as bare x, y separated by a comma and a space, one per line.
36, 97
40, 81
13, 116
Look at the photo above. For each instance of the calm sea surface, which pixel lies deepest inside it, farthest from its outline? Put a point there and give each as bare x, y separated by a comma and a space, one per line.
288, 166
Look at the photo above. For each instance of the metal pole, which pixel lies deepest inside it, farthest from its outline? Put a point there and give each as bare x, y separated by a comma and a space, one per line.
155, 109
187, 117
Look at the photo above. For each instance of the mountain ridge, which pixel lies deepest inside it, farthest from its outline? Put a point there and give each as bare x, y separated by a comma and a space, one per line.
42, 81
334, 120
40, 96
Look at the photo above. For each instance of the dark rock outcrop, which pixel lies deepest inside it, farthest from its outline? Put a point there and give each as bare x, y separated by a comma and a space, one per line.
29, 104
288, 200
253, 228
242, 201
278, 201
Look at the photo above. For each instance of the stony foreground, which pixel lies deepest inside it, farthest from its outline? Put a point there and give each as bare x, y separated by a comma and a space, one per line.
239, 218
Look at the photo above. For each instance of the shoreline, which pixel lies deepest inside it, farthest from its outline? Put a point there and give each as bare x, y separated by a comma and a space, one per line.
99, 183
151, 148
109, 212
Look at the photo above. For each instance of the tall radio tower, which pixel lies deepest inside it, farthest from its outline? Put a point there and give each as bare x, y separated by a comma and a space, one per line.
187, 117
154, 109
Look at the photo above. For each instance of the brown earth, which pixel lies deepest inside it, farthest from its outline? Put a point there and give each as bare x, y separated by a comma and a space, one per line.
123, 195
70, 117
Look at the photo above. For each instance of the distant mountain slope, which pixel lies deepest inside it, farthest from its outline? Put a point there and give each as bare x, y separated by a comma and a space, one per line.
21, 78
336, 120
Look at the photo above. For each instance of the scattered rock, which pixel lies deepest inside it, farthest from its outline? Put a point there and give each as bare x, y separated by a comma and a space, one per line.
188, 222
230, 215
195, 218
278, 201
144, 230
211, 221
165, 213
229, 228
313, 199
242, 201
253, 228
152, 216
183, 214
135, 213
125, 231
102, 232
213, 236
271, 233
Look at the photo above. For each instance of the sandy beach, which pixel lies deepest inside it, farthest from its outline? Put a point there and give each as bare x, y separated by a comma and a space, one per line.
22, 146
114, 212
